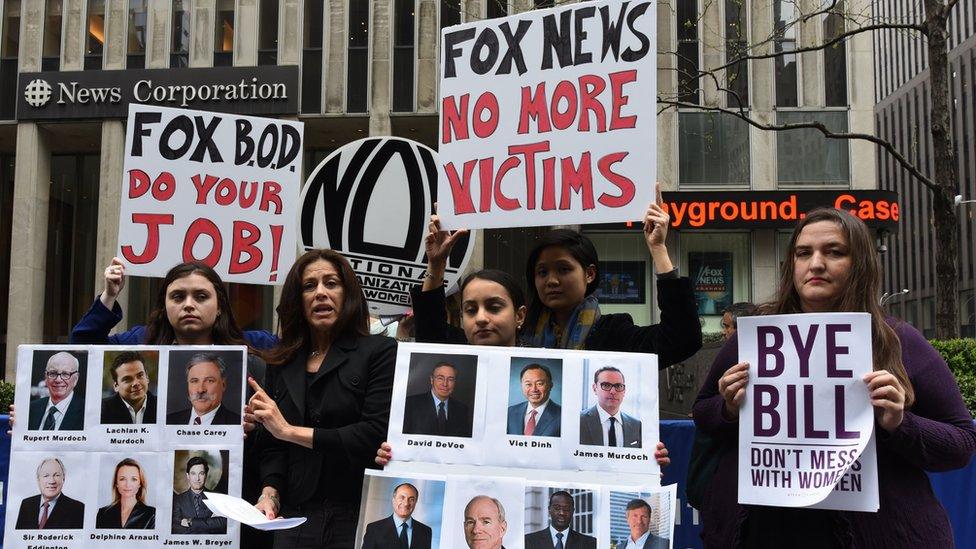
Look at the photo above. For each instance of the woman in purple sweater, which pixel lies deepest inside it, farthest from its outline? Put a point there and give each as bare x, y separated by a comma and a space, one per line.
921, 421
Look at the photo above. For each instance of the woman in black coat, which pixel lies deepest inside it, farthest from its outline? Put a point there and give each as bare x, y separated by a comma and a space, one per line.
325, 403
128, 508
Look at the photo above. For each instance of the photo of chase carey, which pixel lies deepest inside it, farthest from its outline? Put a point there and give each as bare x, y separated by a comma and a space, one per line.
617, 425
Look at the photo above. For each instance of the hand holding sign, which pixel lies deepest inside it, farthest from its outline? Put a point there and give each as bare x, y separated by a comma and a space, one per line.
114, 282
438, 245
887, 397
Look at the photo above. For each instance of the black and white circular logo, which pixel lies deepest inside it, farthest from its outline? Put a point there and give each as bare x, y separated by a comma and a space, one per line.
37, 93
371, 200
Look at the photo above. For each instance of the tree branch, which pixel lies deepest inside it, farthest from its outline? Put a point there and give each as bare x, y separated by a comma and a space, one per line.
819, 126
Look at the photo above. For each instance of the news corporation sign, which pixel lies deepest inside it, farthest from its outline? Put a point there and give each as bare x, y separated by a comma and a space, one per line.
59, 95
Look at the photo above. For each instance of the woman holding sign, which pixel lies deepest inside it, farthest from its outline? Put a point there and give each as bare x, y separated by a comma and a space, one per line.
325, 402
921, 423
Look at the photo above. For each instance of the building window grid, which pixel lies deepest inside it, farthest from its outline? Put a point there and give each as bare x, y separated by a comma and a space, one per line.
180, 46
268, 33
53, 27
404, 38
357, 57
787, 72
496, 8
137, 28
689, 50
224, 25
94, 34
313, 24
835, 58
736, 45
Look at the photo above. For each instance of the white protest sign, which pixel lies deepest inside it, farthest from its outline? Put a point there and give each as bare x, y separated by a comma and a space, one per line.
218, 188
548, 117
372, 200
806, 428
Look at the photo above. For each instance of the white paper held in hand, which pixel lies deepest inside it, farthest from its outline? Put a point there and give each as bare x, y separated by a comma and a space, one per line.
245, 513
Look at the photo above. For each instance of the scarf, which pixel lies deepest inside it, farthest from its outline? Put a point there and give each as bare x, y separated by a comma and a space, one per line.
548, 334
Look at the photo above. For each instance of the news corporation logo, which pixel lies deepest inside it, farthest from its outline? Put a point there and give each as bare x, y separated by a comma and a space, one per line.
37, 93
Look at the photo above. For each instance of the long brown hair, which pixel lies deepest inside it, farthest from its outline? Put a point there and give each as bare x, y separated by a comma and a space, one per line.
225, 330
141, 494
293, 328
861, 294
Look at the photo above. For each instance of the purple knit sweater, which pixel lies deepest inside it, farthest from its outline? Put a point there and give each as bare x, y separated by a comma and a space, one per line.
937, 434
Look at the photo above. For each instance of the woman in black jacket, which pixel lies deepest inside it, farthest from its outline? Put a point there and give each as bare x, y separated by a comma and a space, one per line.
325, 403
128, 508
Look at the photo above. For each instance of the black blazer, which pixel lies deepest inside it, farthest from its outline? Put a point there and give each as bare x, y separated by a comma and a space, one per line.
383, 534
74, 416
68, 514
224, 416
420, 417
203, 521
114, 411
143, 517
353, 387
574, 540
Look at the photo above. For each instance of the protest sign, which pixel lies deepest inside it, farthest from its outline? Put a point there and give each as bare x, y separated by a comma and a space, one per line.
372, 200
91, 452
806, 428
218, 188
490, 394
548, 117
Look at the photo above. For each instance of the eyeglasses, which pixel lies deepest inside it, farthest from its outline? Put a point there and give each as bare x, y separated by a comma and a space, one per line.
607, 386
65, 376
442, 379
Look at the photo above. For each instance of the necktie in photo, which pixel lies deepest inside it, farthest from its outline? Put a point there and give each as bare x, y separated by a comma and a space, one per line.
197, 504
612, 433
49, 421
559, 541
404, 544
530, 425
44, 517
441, 419
196, 420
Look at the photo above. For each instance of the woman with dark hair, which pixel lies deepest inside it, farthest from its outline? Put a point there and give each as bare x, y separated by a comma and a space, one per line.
921, 421
325, 402
192, 308
128, 508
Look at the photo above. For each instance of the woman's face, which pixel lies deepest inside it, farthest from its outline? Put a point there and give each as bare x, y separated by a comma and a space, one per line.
822, 266
322, 295
488, 315
191, 305
560, 280
127, 481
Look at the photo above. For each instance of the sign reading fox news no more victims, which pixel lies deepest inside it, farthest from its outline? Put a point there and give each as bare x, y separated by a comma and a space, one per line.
548, 117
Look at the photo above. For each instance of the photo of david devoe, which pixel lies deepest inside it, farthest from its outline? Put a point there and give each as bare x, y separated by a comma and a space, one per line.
534, 396
441, 395
57, 393
129, 387
204, 388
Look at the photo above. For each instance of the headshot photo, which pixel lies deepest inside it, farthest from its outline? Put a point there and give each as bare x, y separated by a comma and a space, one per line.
441, 391
485, 513
204, 388
196, 473
129, 387
401, 529
559, 527
57, 400
485, 523
534, 394
604, 422
646, 523
51, 508
129, 506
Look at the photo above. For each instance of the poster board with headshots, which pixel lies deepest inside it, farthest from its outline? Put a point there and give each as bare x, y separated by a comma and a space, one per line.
120, 445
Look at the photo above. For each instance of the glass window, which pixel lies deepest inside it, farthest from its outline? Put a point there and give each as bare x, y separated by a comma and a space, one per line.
713, 149
96, 34
357, 73
9, 43
403, 52
6, 226
180, 54
540, 4
11, 29
268, 33
51, 60
497, 8
136, 42
807, 157
967, 313
784, 37
719, 265
71, 239
450, 12
835, 59
736, 33
312, 57
625, 284
224, 34
688, 51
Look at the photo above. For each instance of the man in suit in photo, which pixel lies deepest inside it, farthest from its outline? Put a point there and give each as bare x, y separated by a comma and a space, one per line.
484, 523
437, 412
190, 514
559, 535
51, 509
62, 410
133, 402
639, 521
604, 424
206, 383
538, 416
399, 530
